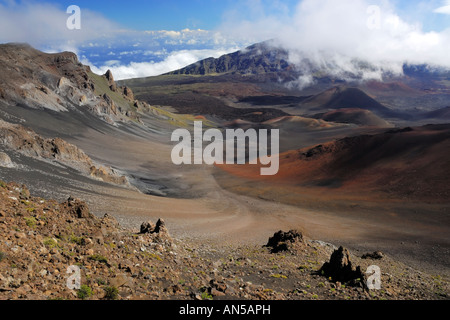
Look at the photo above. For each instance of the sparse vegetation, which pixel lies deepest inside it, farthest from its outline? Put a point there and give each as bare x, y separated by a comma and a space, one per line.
31, 221
51, 243
111, 293
84, 293
115, 259
77, 240
206, 296
278, 276
98, 258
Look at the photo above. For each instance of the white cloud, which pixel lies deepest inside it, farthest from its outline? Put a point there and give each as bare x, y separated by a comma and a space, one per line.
43, 25
445, 9
337, 35
174, 61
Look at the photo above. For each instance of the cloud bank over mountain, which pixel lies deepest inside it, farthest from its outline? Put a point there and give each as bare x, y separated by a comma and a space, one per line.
336, 36
175, 60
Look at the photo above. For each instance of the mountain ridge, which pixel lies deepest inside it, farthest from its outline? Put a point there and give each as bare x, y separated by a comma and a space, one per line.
60, 82
259, 58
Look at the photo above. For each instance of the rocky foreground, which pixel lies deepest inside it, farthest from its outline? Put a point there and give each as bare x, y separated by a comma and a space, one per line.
40, 240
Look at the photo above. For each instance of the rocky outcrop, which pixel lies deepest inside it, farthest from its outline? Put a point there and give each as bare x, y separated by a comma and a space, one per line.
147, 227
108, 175
29, 143
5, 161
151, 228
109, 77
285, 241
340, 268
76, 208
59, 82
128, 93
376, 255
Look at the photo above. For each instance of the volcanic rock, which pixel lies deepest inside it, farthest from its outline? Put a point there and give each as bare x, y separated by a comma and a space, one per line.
340, 267
285, 241
112, 84
148, 227
76, 208
377, 255
128, 93
160, 226
5, 161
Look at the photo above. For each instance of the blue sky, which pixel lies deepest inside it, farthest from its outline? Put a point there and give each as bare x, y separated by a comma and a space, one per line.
208, 14
168, 14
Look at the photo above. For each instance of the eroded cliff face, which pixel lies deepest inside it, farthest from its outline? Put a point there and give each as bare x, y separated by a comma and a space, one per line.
25, 141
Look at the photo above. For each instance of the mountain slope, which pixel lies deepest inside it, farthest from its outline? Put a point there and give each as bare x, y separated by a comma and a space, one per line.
356, 116
259, 58
443, 113
346, 98
412, 163
59, 82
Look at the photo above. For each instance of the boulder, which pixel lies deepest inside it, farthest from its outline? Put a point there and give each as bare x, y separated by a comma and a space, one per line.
285, 241
76, 208
110, 221
63, 82
376, 255
160, 226
112, 84
5, 161
340, 268
148, 227
109, 75
128, 93
158, 229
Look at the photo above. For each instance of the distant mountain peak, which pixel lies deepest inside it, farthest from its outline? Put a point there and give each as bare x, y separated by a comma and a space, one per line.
260, 58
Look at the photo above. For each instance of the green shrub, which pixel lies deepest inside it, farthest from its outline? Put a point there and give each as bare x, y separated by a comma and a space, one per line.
279, 276
206, 296
84, 292
81, 241
98, 258
31, 221
2, 256
111, 293
51, 243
